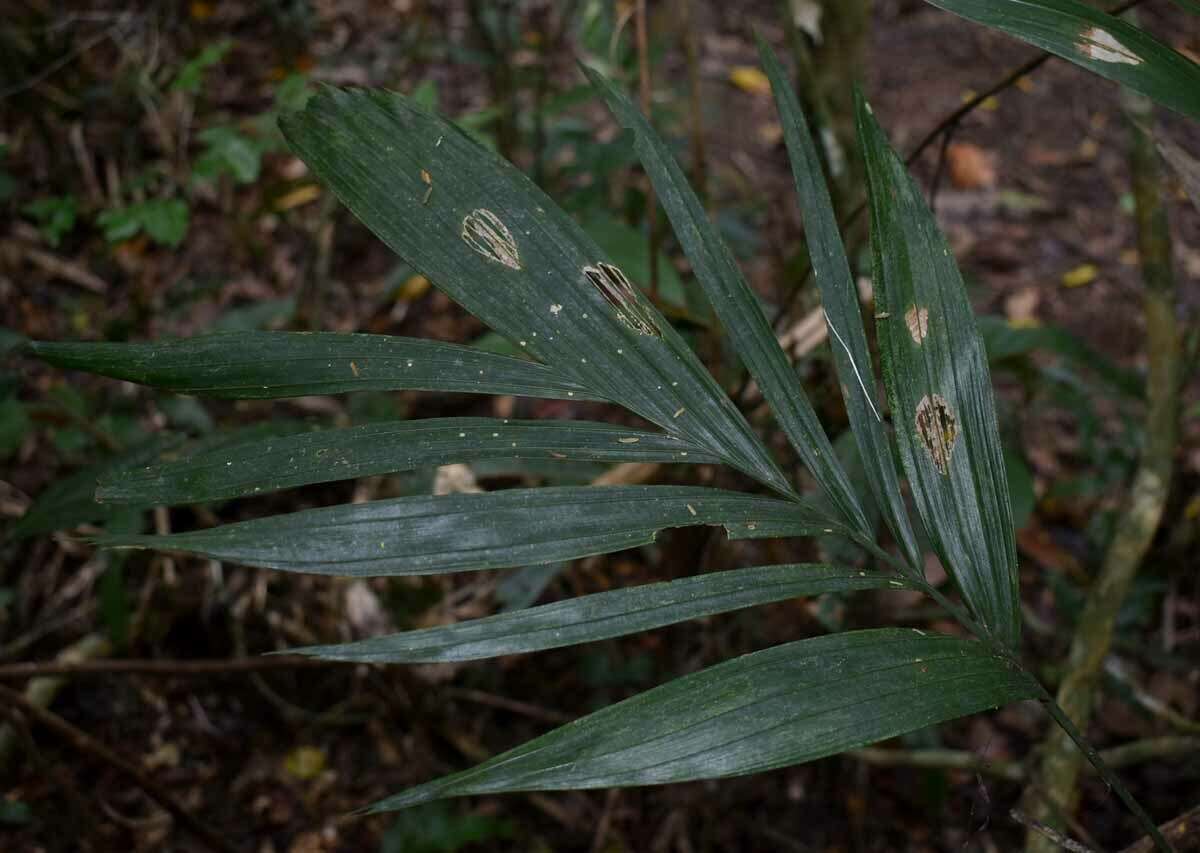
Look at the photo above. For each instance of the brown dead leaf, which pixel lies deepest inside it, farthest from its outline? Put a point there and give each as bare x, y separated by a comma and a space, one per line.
770, 134
1036, 543
970, 167
323, 840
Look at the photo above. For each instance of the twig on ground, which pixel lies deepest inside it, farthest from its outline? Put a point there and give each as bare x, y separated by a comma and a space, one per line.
42, 689
1182, 831
1125, 755
62, 268
1049, 833
1114, 667
69, 57
162, 668
534, 712
81, 741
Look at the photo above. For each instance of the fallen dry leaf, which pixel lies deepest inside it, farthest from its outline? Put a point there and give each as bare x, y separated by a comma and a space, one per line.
1036, 543
970, 167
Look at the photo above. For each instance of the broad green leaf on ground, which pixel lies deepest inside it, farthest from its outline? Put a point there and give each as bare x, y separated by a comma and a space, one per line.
342, 454
736, 305
267, 365
1004, 341
940, 391
165, 220
449, 533
1095, 40
1185, 165
839, 297
484, 233
774, 708
71, 501
191, 74
607, 614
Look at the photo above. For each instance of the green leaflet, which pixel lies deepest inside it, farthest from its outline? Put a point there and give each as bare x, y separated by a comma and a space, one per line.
267, 365
1096, 41
736, 305
839, 297
940, 391
607, 614
781, 706
276, 463
518, 527
485, 234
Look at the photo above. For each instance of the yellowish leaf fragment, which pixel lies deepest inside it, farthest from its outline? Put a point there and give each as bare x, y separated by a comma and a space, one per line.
750, 79
298, 197
304, 762
1082, 275
414, 288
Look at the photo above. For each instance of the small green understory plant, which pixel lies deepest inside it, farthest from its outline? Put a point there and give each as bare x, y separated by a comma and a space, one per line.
493, 241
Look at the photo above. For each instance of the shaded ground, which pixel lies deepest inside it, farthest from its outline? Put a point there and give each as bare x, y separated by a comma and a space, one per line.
276, 761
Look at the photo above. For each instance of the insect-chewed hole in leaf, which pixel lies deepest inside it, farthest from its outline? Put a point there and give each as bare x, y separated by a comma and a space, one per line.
620, 293
937, 427
1101, 45
917, 320
483, 231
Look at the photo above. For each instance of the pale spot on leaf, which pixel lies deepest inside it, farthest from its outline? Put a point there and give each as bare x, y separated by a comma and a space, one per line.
917, 320
483, 231
1101, 45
